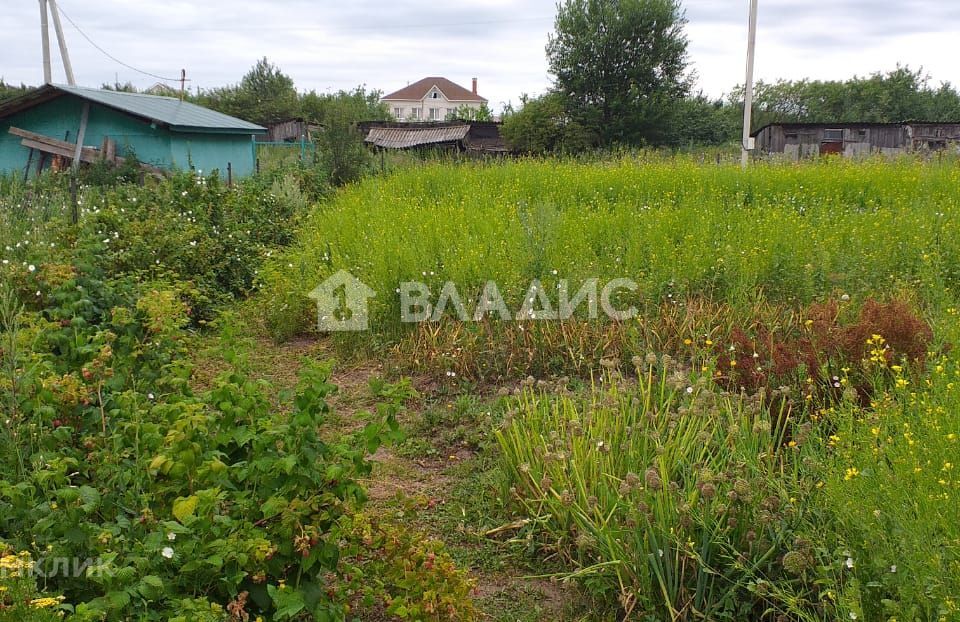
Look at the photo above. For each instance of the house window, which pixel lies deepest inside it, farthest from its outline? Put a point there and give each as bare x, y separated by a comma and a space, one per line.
434, 114
451, 113
415, 113
435, 95
398, 113
833, 136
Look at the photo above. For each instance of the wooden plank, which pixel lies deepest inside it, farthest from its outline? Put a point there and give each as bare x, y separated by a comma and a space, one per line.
47, 145
88, 154
84, 117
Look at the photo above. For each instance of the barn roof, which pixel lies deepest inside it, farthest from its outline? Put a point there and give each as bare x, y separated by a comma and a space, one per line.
419, 89
179, 116
405, 137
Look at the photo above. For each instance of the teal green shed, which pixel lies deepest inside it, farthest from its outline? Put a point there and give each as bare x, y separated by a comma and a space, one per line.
161, 131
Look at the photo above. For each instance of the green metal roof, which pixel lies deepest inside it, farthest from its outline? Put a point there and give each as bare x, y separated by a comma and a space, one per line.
180, 116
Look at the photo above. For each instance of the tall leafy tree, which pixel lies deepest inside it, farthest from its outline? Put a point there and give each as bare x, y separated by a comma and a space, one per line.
264, 95
621, 65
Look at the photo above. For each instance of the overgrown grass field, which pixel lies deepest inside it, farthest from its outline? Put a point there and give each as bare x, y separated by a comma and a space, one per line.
774, 436
790, 234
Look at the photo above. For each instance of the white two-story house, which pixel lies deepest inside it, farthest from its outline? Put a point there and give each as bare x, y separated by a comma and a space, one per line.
431, 99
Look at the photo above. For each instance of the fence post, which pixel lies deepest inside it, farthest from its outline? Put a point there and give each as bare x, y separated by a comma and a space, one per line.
75, 205
229, 174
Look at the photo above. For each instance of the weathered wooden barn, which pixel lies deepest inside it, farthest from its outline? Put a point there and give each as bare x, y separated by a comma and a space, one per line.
290, 131
471, 137
43, 126
805, 140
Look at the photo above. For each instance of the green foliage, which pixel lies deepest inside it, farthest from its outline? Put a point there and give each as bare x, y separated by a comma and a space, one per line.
356, 105
264, 95
343, 156
410, 577
892, 97
20, 600
108, 457
679, 229
890, 491
620, 65
543, 125
667, 496
141, 499
9, 91
469, 113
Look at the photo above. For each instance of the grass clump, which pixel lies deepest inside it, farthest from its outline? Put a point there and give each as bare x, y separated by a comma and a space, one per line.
667, 495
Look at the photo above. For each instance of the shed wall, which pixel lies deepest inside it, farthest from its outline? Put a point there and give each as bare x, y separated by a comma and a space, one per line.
206, 152
60, 118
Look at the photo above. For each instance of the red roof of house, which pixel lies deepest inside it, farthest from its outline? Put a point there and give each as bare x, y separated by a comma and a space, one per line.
419, 89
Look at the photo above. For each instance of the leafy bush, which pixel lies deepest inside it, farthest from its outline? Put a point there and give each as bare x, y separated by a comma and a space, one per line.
173, 505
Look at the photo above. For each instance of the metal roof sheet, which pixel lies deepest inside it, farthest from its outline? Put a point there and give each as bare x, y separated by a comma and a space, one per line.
178, 115
403, 138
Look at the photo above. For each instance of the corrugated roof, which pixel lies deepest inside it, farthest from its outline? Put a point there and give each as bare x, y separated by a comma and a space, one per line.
180, 116
404, 138
419, 89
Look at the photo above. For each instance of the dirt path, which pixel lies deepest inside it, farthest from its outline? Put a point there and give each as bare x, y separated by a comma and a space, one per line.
442, 491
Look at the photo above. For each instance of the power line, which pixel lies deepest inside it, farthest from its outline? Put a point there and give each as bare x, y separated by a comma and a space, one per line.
108, 54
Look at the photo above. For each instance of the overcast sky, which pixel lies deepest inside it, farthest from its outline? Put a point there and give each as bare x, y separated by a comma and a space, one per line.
331, 45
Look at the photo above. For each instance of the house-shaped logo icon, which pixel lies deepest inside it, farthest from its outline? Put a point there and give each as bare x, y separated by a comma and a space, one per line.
342, 303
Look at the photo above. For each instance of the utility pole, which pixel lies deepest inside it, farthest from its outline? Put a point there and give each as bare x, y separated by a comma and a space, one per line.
183, 83
747, 145
45, 37
62, 41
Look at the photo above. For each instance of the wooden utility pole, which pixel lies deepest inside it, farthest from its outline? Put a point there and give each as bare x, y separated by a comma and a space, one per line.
183, 83
49, 8
62, 42
747, 145
45, 38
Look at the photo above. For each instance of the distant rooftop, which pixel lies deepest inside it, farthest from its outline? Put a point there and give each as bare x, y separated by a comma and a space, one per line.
419, 89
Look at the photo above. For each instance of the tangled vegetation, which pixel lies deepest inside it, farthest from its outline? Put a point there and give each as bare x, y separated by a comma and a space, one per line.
773, 436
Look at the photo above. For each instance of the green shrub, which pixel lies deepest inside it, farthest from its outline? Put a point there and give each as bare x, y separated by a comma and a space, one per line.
175, 505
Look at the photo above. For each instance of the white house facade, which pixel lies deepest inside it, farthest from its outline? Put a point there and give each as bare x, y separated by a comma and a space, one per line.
432, 99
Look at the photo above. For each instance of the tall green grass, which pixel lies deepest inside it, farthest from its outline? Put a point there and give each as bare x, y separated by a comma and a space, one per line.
794, 233
666, 496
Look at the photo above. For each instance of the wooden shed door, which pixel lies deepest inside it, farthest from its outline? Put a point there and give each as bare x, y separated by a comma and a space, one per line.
831, 148
832, 143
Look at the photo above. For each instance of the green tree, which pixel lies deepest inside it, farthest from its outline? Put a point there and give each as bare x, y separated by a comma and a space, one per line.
898, 95
543, 125
468, 113
8, 91
265, 95
621, 65
343, 156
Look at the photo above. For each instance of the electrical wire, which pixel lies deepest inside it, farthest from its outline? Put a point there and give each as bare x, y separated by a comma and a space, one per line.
110, 56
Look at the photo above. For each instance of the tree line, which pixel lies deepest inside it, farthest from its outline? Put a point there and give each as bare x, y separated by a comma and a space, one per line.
621, 77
